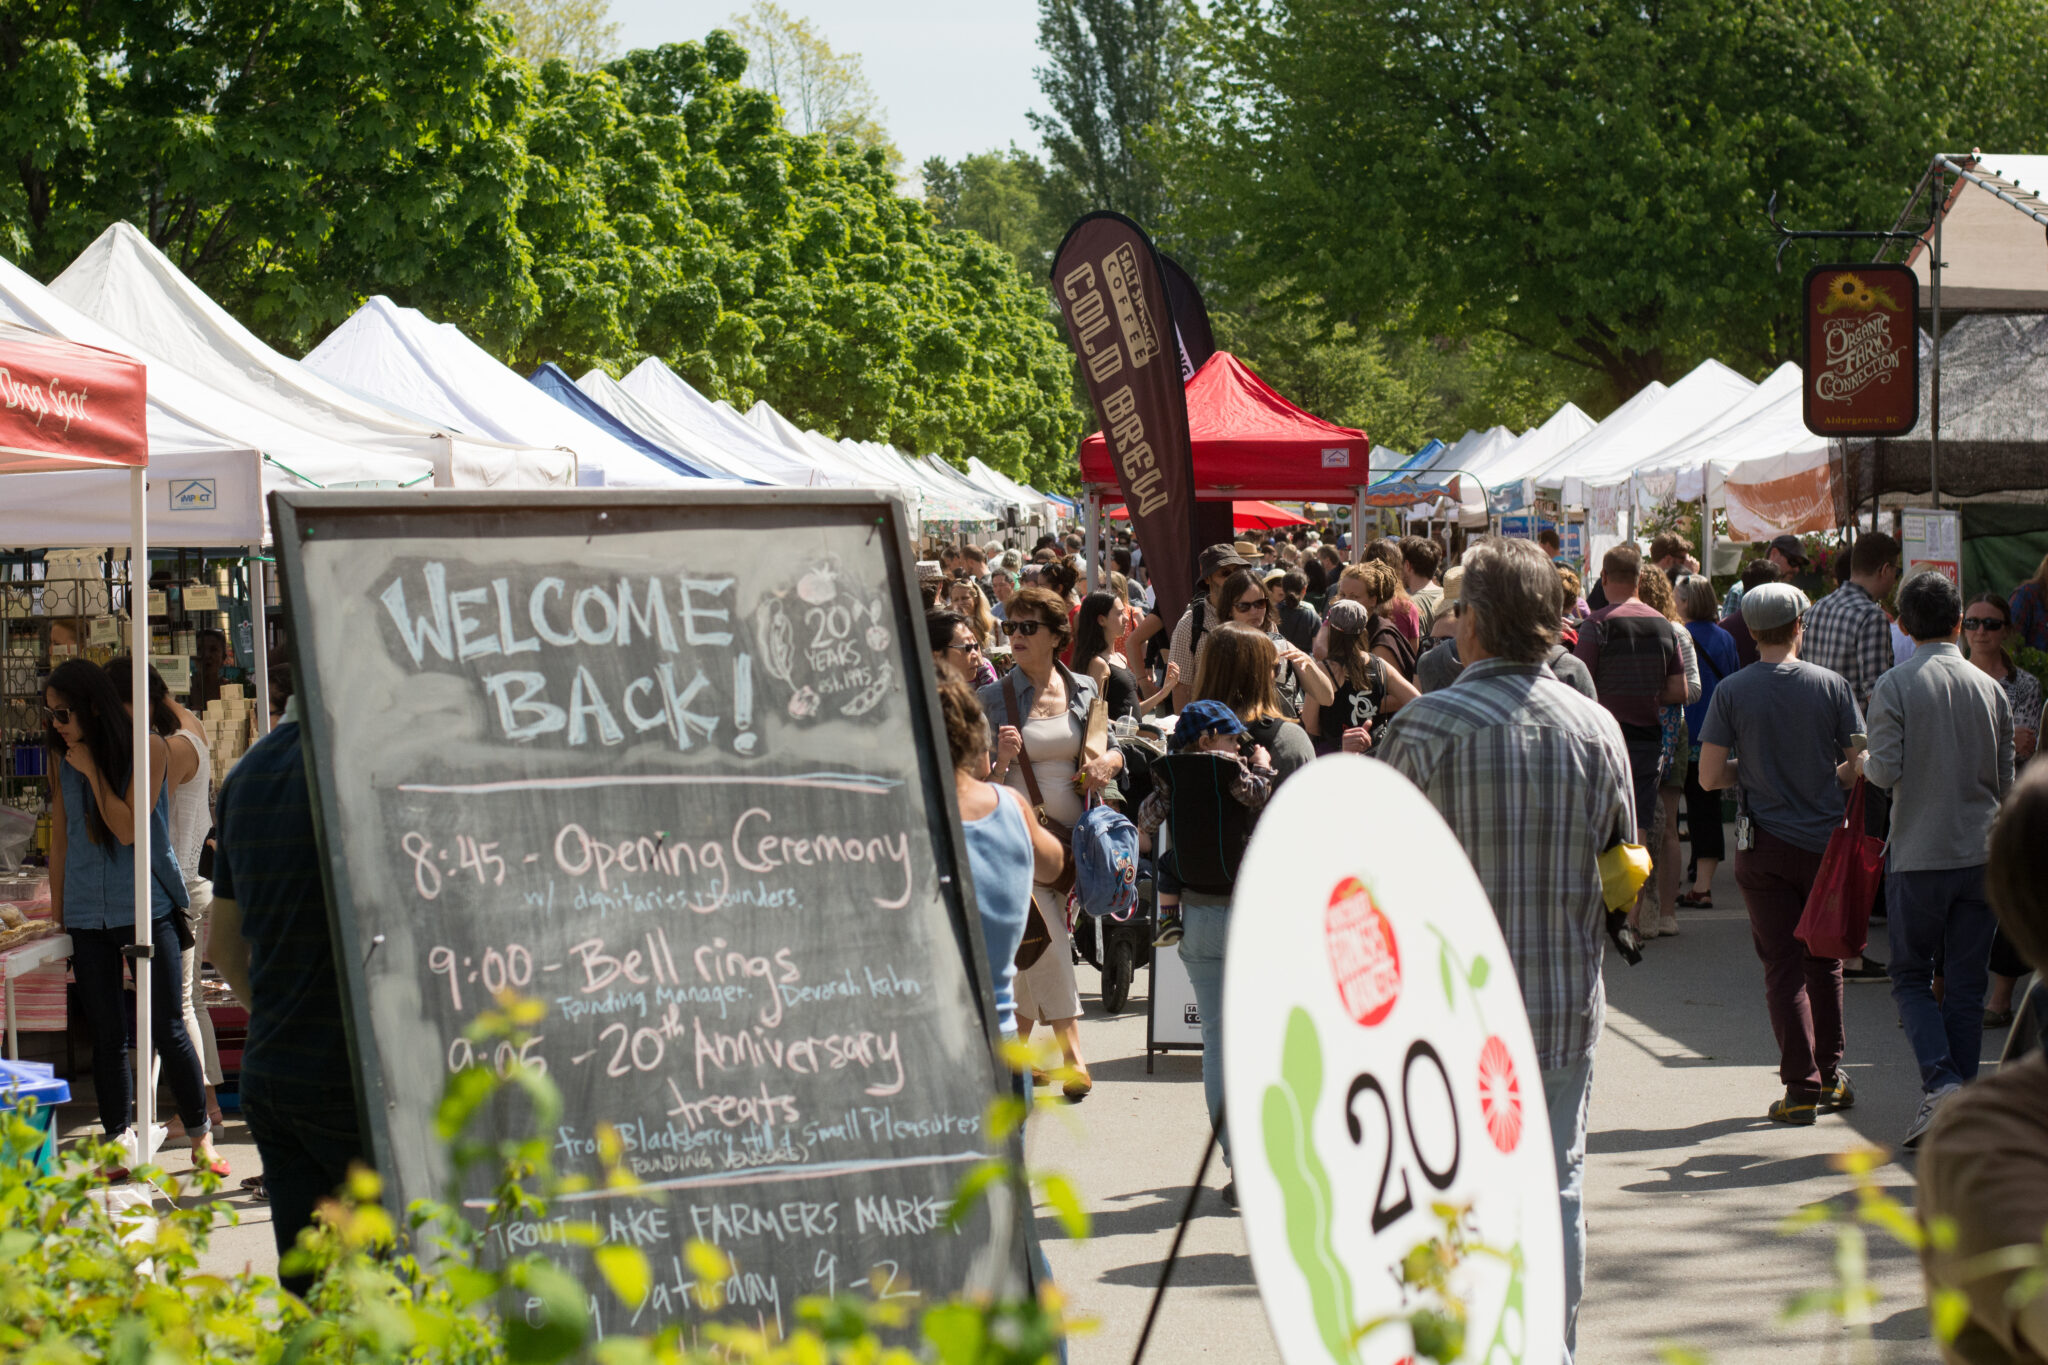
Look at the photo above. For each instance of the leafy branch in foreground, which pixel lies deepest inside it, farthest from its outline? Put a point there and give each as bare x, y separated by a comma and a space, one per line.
83, 1278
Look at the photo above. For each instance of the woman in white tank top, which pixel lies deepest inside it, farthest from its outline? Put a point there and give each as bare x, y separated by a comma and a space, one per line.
190, 814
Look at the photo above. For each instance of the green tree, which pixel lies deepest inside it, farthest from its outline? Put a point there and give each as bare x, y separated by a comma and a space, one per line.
1109, 79
1001, 196
819, 90
579, 32
290, 155
1586, 177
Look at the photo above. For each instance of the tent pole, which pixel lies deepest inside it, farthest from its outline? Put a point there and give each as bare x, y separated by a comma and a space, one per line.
1934, 379
1358, 525
138, 682
259, 640
1091, 508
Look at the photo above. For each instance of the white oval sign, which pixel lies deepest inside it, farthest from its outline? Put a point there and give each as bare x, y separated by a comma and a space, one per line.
1378, 1063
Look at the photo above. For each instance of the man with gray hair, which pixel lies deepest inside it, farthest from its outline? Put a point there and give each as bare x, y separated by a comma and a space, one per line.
1533, 778
1941, 744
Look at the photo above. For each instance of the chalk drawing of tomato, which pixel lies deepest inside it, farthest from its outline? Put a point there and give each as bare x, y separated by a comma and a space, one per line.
804, 704
819, 586
1500, 1095
878, 639
1363, 954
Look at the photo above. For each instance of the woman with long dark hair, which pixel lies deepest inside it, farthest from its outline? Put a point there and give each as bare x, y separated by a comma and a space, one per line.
1098, 640
1368, 687
92, 889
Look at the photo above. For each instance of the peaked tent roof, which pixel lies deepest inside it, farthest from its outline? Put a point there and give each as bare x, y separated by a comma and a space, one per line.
670, 398
552, 380
821, 454
1251, 442
399, 357
1688, 406
1756, 426
643, 421
123, 281
187, 413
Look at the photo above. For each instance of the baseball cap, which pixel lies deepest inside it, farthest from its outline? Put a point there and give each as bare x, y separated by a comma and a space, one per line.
1770, 605
1221, 557
1204, 718
1348, 616
1789, 546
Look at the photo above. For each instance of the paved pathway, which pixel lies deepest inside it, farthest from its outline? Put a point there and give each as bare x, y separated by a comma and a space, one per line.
1687, 1182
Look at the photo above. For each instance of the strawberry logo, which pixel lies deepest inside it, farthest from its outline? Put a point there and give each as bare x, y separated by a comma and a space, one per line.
1363, 954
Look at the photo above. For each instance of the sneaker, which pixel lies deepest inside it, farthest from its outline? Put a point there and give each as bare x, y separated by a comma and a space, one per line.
1868, 970
1169, 932
1930, 1105
1837, 1094
1793, 1110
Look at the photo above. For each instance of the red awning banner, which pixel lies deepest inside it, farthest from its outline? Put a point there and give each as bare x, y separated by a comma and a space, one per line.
67, 406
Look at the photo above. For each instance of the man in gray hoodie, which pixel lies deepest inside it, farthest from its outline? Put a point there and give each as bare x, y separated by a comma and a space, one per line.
1941, 744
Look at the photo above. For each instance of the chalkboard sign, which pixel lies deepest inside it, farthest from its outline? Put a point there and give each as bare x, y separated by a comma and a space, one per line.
669, 763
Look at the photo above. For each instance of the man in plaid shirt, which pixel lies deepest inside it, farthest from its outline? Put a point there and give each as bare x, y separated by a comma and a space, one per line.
1533, 778
1848, 633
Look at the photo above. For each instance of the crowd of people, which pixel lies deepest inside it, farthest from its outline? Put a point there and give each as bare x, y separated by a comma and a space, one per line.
1549, 717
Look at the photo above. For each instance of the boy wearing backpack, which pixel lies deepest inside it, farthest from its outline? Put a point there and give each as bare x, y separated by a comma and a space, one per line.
1209, 744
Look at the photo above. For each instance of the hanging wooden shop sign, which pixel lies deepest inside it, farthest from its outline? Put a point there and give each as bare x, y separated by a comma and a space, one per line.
1862, 350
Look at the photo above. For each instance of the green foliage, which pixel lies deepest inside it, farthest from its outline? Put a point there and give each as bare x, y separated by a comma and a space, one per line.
296, 158
1002, 197
1110, 76
818, 90
79, 1283
1587, 177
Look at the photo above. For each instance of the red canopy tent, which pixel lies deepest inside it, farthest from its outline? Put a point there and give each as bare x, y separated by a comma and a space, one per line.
65, 406
1244, 516
1250, 442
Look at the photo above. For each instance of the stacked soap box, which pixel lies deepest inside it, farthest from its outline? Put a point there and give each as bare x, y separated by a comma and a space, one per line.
228, 720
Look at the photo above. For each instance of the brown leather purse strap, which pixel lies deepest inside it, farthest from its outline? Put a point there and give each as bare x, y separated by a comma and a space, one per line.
1030, 777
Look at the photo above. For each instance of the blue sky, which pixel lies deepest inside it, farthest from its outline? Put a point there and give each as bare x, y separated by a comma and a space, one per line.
953, 77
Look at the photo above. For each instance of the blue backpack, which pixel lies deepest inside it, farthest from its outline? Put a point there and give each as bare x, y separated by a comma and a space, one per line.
1105, 845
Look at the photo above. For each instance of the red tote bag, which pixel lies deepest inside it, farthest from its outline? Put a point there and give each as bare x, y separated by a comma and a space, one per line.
1836, 921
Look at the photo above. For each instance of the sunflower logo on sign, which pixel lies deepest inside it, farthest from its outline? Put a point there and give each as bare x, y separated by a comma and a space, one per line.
1850, 290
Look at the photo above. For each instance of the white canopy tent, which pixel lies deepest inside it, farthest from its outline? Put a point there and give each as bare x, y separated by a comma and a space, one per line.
672, 398
1042, 508
398, 357
1004, 504
1615, 448
1767, 422
650, 425
123, 281
822, 454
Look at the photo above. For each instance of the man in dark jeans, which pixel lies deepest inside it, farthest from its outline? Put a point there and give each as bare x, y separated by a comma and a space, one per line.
1632, 653
1780, 731
270, 940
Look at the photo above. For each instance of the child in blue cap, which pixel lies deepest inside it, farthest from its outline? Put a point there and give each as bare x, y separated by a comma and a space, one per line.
1204, 727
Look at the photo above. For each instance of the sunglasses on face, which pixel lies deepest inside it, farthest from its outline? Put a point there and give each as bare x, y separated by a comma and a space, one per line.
969, 648
1983, 623
1027, 629
59, 715
1250, 604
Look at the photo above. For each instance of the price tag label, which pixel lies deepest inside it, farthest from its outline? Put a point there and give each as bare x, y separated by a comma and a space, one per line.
159, 603
103, 630
202, 599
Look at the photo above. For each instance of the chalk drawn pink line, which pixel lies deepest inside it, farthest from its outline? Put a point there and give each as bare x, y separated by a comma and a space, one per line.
841, 782
763, 1175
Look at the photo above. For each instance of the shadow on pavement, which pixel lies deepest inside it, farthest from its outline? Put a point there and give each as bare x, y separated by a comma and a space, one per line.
1735, 1171
1146, 1212
1208, 1269
1618, 1140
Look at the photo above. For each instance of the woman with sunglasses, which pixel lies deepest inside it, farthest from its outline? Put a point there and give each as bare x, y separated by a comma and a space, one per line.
964, 596
1300, 678
92, 889
1987, 628
1041, 707
955, 650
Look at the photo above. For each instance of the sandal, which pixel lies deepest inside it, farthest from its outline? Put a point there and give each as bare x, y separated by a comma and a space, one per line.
258, 1192
1697, 900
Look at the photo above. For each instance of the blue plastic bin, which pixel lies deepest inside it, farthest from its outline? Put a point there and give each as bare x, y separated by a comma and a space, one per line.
37, 1081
